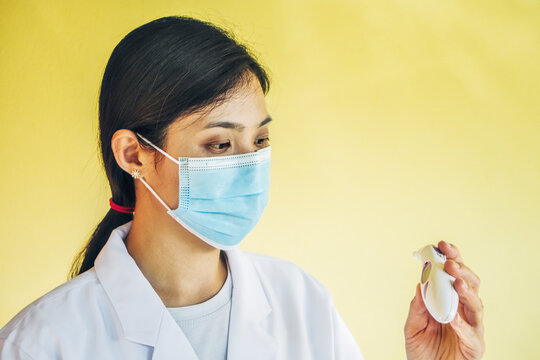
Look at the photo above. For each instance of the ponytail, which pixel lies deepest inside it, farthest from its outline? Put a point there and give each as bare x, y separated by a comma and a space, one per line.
84, 260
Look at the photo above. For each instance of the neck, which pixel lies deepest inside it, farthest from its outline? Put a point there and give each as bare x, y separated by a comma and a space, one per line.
183, 269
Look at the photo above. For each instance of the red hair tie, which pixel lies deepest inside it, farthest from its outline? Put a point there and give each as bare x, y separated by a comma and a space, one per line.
120, 208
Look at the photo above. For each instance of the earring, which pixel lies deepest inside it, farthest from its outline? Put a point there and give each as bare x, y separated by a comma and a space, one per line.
136, 174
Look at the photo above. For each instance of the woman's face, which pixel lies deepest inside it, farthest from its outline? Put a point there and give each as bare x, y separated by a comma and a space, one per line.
239, 125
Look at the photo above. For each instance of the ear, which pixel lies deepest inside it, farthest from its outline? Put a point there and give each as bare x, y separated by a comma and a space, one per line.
127, 151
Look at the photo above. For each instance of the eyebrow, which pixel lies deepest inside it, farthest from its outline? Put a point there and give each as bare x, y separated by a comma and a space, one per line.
233, 125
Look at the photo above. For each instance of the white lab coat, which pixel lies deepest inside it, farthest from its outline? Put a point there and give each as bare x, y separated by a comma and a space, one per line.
111, 311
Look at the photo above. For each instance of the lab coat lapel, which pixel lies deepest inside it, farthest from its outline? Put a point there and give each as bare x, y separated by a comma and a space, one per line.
248, 336
172, 343
142, 314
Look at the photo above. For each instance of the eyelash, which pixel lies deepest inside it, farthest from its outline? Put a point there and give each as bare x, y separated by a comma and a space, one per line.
211, 146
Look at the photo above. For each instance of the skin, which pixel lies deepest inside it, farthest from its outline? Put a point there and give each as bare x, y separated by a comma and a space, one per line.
463, 337
183, 269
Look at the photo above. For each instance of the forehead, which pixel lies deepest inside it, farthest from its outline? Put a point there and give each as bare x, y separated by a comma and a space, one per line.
245, 105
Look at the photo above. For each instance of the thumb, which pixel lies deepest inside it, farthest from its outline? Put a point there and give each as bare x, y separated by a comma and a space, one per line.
418, 317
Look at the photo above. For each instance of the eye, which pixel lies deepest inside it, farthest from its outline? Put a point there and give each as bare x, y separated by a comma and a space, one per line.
222, 147
219, 147
262, 140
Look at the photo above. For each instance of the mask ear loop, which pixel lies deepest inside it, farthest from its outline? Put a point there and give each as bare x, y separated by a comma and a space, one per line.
158, 149
153, 192
145, 183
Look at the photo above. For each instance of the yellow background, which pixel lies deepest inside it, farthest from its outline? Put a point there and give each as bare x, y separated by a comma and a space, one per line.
397, 124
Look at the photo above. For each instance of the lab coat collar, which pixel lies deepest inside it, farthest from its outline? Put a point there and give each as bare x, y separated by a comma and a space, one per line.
145, 319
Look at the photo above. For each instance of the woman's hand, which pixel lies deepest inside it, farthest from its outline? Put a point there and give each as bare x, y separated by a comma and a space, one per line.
463, 337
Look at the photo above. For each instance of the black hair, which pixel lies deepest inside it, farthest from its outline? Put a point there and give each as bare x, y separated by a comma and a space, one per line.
170, 67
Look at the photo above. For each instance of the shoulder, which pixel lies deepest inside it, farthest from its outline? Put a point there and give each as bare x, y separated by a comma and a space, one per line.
286, 278
304, 307
57, 312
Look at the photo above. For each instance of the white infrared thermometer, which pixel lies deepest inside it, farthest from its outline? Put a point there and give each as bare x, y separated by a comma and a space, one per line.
437, 286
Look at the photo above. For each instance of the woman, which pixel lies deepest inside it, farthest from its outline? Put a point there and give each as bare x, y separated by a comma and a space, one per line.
184, 137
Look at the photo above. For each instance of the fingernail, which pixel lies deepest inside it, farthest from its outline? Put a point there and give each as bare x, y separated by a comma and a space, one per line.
465, 285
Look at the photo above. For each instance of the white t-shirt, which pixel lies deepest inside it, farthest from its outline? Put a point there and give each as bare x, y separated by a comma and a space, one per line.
206, 325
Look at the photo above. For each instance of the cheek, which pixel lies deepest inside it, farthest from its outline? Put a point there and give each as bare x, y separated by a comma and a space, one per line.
167, 183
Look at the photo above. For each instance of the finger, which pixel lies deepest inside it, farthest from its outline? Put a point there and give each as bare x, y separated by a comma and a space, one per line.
467, 334
450, 251
460, 270
473, 308
418, 317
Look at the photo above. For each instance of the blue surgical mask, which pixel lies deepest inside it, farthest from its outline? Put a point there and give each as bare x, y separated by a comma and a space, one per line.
221, 198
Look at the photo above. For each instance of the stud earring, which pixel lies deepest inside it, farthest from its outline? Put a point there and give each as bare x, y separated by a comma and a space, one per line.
136, 174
